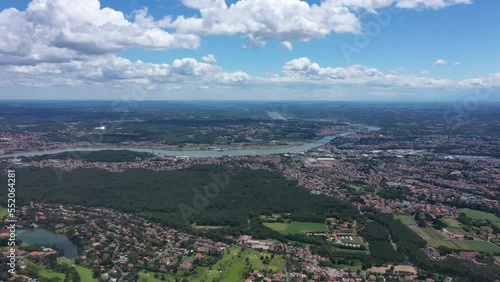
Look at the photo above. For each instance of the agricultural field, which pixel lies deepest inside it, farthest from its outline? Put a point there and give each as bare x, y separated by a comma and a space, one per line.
436, 238
455, 230
433, 233
446, 243
479, 246
232, 265
433, 237
451, 222
479, 215
297, 227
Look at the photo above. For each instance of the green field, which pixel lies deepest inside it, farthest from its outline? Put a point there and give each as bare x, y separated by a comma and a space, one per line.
438, 242
3, 212
451, 222
356, 266
486, 229
148, 276
433, 237
232, 265
480, 246
45, 272
433, 233
297, 227
479, 215
405, 219
455, 230
84, 273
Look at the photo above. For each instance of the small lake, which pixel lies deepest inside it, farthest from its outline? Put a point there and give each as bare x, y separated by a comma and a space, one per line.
43, 236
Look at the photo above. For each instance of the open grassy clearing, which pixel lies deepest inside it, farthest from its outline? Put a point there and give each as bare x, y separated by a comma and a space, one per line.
148, 276
433, 237
433, 233
44, 272
405, 219
297, 227
451, 222
479, 215
206, 227
232, 265
3, 212
446, 243
397, 268
486, 229
479, 246
84, 273
356, 266
455, 230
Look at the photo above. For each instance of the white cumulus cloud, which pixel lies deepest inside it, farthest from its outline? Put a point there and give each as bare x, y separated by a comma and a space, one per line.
210, 58
286, 45
440, 62
63, 30
288, 20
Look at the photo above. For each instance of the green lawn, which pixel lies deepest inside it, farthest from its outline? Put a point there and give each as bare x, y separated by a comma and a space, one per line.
45, 272
356, 266
439, 242
84, 273
297, 227
451, 222
486, 229
232, 265
480, 246
434, 238
405, 219
3, 212
433, 233
455, 230
149, 277
474, 214
438, 239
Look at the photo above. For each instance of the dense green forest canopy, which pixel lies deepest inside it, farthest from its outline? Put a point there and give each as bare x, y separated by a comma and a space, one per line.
207, 195
233, 198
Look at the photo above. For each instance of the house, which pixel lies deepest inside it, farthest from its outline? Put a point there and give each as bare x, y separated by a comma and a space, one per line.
470, 256
36, 255
167, 261
186, 265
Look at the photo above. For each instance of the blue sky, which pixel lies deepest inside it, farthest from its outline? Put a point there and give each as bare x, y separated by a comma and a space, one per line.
428, 49
413, 39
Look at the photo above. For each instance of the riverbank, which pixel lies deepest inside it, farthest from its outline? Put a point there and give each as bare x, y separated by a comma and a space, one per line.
188, 153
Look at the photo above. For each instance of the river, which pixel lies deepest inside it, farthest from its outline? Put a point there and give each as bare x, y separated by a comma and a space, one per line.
192, 154
198, 153
43, 236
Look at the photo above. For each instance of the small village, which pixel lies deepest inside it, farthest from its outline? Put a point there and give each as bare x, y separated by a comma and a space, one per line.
112, 245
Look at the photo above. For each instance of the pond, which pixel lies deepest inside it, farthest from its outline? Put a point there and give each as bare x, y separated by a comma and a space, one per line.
43, 236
